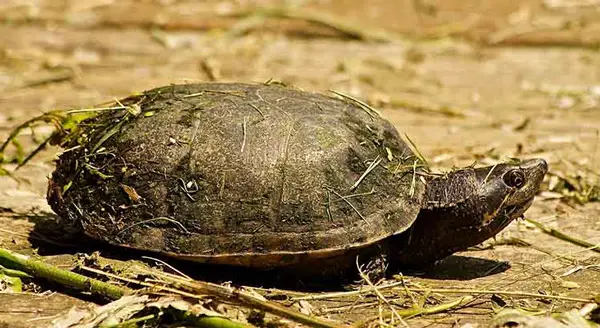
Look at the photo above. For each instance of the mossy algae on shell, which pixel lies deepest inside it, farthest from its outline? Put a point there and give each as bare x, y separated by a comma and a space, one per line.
250, 174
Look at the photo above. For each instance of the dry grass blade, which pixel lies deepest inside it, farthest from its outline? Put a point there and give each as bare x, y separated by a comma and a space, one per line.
530, 274
48, 77
422, 107
371, 167
562, 236
109, 133
409, 313
245, 133
237, 296
64, 122
174, 269
413, 181
498, 292
95, 110
204, 320
348, 308
368, 109
162, 218
55, 118
380, 295
416, 150
345, 199
151, 286
36, 151
351, 29
394, 285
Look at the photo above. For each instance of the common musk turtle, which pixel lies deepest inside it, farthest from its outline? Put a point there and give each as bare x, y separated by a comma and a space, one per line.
268, 176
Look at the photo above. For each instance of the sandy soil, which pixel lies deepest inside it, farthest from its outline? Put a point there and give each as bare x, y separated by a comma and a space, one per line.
484, 95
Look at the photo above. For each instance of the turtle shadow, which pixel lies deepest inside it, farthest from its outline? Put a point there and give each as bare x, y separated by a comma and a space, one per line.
50, 237
460, 267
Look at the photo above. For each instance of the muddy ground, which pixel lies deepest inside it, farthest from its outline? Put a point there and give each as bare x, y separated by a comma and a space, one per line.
468, 81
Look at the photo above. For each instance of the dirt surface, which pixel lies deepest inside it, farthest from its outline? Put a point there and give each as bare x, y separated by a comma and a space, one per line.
459, 101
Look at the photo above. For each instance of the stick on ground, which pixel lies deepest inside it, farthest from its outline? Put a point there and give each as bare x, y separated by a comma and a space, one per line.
40, 269
562, 236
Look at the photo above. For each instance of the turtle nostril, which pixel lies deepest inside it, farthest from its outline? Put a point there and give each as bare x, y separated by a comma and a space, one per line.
543, 164
537, 164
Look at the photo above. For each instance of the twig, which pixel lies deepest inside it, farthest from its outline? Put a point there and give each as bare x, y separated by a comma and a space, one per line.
557, 234
168, 266
257, 109
60, 75
142, 283
498, 292
370, 192
225, 92
408, 293
334, 295
237, 296
350, 29
93, 110
36, 236
202, 321
525, 274
14, 273
131, 322
40, 269
341, 309
210, 67
338, 24
437, 290
36, 151
371, 167
379, 295
409, 313
54, 117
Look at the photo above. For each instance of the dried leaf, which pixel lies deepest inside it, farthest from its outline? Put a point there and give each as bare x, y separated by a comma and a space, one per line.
132, 193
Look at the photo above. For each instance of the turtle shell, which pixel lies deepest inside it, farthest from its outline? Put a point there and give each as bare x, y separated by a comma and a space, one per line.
258, 175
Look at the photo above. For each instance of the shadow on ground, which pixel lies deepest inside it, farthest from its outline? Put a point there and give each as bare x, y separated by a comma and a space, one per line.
457, 267
50, 238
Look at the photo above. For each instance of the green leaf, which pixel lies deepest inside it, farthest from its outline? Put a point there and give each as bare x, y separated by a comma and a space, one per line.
12, 284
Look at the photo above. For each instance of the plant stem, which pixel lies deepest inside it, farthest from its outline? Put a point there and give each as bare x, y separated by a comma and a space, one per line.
562, 236
40, 269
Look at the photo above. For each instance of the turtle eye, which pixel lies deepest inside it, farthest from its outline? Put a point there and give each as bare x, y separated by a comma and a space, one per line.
514, 178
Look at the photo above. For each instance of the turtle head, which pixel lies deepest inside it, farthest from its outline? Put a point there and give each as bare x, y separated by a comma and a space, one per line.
468, 206
506, 192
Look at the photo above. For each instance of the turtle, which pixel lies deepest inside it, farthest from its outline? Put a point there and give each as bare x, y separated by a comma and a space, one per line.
267, 176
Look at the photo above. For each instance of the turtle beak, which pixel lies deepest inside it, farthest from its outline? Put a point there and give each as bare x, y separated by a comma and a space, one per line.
535, 170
